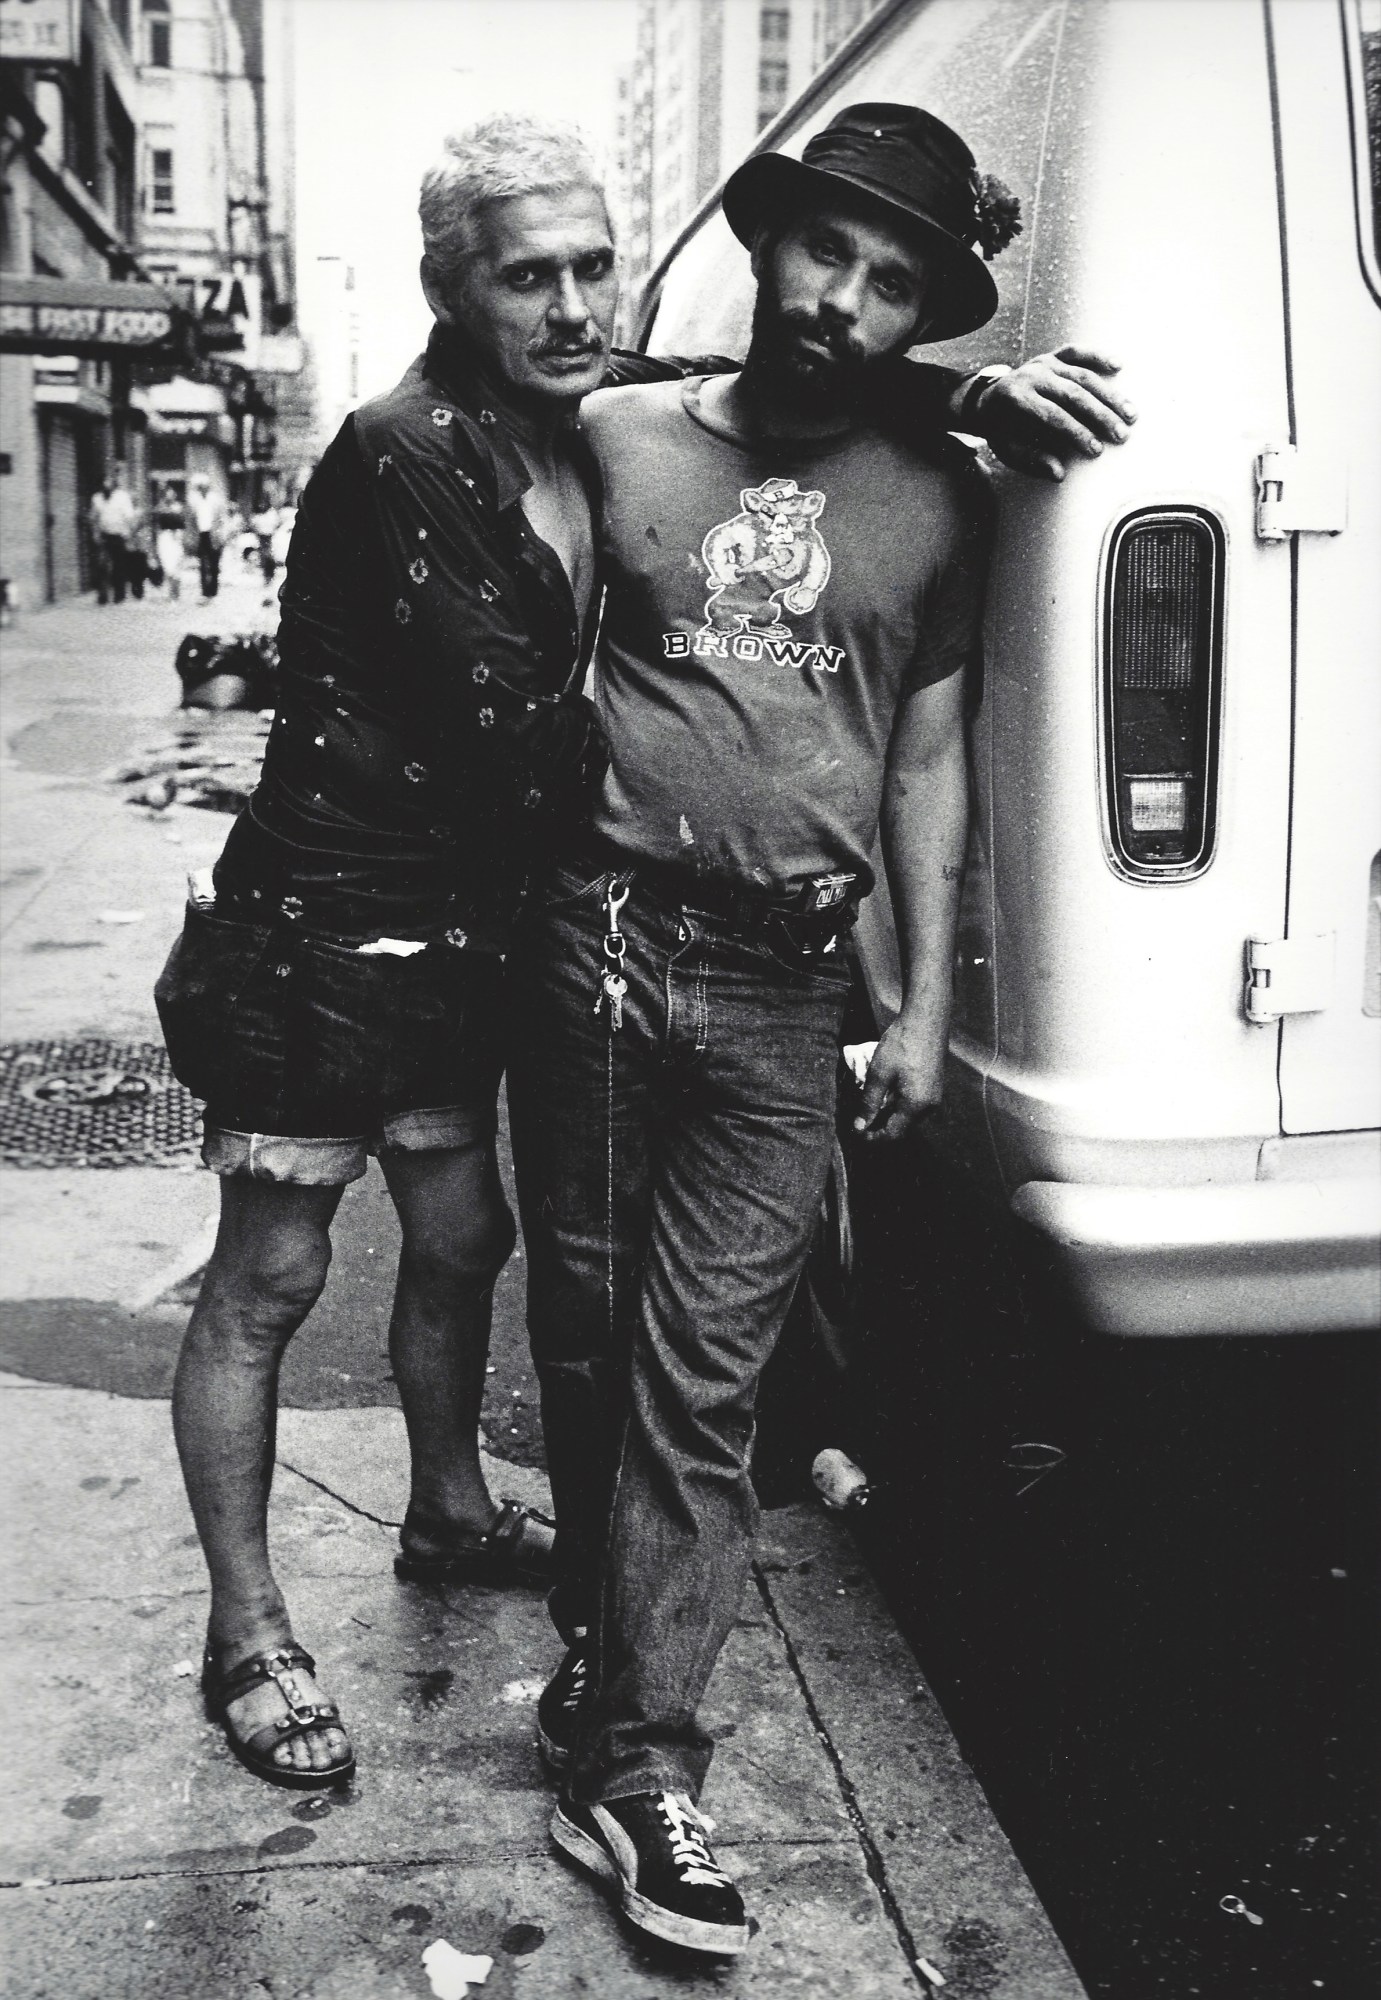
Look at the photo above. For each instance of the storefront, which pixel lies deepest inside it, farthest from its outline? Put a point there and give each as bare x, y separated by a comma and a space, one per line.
191, 436
72, 415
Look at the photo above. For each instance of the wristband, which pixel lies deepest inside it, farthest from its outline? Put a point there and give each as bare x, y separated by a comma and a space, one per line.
974, 393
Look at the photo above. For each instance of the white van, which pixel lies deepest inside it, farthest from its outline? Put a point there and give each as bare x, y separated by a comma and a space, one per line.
1166, 1048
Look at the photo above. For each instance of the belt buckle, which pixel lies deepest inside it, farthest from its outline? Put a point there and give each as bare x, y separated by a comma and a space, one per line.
826, 892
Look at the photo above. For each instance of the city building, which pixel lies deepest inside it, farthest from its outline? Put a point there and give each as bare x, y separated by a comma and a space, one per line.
215, 81
147, 269
707, 77
78, 319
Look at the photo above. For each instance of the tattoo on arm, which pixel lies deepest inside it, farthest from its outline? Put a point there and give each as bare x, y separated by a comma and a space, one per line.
950, 872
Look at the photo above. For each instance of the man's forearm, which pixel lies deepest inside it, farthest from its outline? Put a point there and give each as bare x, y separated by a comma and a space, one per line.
924, 835
910, 399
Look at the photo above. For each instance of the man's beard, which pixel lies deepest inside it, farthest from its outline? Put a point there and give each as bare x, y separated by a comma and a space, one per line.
815, 383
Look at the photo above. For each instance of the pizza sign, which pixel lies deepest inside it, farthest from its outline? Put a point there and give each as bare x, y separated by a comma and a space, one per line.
38, 31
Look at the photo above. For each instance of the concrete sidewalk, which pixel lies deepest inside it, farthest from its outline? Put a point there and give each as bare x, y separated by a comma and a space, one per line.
137, 1858
150, 1864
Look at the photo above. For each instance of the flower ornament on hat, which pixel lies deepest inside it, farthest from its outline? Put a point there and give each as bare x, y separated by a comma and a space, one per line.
915, 166
999, 214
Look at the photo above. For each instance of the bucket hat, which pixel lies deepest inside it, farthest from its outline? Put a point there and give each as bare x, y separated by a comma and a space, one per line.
914, 164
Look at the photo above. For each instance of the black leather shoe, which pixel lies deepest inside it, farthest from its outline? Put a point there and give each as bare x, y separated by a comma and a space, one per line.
654, 1848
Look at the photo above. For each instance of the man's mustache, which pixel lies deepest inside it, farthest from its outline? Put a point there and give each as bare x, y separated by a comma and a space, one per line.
587, 344
837, 339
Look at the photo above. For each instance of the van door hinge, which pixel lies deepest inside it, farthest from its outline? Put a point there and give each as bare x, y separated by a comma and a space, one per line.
1288, 976
1299, 491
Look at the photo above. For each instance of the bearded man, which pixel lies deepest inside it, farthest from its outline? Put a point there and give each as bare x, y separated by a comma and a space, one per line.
793, 597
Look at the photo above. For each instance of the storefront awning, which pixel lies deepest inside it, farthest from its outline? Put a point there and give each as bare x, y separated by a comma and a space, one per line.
84, 316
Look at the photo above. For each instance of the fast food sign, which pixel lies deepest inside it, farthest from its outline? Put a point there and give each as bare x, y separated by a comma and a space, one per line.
60, 316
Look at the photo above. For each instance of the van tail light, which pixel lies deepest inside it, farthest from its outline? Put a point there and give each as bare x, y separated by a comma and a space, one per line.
1162, 658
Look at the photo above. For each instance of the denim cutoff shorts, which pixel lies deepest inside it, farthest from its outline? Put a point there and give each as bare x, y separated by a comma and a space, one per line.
310, 1055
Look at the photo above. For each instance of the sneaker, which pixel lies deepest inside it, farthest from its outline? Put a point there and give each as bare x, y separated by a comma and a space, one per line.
655, 1847
558, 1709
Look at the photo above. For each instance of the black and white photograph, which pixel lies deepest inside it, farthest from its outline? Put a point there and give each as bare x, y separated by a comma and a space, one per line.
690, 948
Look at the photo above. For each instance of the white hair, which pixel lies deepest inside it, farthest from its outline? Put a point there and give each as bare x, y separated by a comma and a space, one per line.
500, 157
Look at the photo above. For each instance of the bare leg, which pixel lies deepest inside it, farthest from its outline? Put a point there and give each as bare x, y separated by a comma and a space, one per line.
457, 1235
265, 1275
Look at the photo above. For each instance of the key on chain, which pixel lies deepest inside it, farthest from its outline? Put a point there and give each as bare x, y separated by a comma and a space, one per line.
615, 986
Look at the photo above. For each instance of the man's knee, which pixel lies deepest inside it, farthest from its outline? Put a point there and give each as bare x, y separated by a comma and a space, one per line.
275, 1284
469, 1252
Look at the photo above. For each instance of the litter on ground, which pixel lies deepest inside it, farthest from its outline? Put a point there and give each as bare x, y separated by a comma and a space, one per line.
452, 1973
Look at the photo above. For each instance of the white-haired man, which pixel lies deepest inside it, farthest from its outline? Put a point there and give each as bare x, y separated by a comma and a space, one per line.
336, 988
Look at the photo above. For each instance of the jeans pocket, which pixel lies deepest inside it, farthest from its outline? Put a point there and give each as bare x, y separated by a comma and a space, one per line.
197, 992
828, 968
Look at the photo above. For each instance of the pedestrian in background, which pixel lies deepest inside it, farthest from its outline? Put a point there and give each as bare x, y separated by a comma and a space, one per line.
264, 525
112, 529
283, 534
208, 523
170, 545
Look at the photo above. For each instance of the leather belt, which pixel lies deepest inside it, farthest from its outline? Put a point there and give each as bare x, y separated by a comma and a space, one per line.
743, 909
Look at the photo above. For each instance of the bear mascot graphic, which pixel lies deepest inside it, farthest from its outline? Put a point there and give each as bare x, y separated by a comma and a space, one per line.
767, 561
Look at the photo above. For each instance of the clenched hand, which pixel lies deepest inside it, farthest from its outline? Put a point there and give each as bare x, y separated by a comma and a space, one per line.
905, 1079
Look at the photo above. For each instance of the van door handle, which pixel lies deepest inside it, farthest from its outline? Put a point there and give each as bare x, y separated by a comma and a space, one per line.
1299, 492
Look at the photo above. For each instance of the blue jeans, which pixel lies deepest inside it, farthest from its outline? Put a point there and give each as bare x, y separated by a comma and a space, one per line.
670, 1174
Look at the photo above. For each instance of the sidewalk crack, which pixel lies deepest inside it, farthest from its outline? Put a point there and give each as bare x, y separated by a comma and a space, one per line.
872, 1853
331, 1494
502, 1854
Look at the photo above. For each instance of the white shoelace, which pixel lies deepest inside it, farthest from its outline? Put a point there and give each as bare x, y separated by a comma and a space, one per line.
580, 1674
689, 1827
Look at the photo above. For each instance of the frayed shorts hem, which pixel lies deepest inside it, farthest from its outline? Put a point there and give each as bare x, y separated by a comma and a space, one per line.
309, 1162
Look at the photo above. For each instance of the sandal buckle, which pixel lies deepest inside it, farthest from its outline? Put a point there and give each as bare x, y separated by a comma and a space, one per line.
301, 1712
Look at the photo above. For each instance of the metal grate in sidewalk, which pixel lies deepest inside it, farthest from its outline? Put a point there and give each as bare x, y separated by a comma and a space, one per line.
92, 1103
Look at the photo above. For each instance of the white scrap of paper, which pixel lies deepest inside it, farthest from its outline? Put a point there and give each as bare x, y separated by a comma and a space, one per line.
452, 1973
518, 1693
121, 916
183, 1670
391, 948
857, 1056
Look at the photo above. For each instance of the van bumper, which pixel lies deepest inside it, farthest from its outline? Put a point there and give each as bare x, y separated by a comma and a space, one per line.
1267, 1256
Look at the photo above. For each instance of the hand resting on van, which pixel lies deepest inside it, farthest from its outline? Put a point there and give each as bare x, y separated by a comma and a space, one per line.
1050, 410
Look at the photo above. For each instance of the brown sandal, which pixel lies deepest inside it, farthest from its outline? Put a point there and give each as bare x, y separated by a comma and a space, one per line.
281, 1665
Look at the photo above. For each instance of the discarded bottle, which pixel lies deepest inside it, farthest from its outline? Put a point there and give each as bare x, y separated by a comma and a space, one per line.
842, 1485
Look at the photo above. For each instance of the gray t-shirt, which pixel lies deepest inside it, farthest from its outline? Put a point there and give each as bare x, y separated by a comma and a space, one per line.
768, 606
